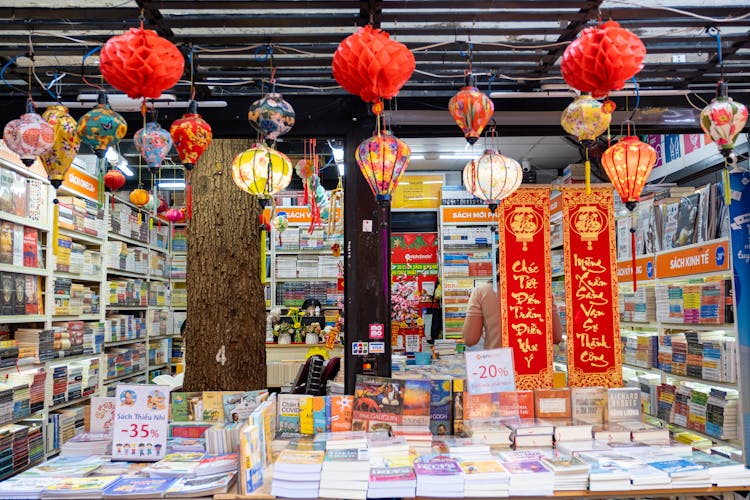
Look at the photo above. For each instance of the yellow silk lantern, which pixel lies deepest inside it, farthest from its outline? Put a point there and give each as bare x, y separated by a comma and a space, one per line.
586, 119
262, 171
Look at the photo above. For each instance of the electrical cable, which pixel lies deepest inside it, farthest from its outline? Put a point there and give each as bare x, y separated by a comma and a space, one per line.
2, 75
683, 12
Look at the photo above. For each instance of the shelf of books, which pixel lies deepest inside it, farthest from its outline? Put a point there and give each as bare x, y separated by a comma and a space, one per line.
678, 334
175, 355
468, 239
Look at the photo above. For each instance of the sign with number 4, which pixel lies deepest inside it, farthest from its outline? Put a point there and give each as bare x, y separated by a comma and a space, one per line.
141, 422
490, 371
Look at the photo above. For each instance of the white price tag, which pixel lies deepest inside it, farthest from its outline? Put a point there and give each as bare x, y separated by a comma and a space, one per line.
490, 371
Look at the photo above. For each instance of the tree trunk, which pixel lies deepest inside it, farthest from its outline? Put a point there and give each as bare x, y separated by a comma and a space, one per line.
226, 317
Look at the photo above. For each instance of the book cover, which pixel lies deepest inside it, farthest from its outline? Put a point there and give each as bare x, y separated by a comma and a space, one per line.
526, 467
341, 409
102, 416
89, 484
201, 486
588, 403
482, 467
190, 430
416, 408
391, 474
300, 460
31, 247
686, 218
6, 242
458, 407
677, 467
239, 405
137, 487
552, 403
251, 459
20, 196
701, 221
306, 416
378, 403
19, 294
32, 295
6, 190
670, 208
448, 467
18, 245
213, 406
288, 416
440, 406
623, 403
321, 423
187, 407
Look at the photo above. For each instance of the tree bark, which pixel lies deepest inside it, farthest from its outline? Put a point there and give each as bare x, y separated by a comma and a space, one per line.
226, 316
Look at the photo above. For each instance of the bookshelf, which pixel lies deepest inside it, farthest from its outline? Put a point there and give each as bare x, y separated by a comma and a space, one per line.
178, 297
468, 240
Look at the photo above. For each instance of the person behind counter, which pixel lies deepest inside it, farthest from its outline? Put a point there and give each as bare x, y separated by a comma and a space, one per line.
483, 319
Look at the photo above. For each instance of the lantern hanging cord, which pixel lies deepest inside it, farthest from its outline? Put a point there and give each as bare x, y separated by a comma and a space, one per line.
83, 69
715, 32
2, 76
32, 71
637, 100
192, 73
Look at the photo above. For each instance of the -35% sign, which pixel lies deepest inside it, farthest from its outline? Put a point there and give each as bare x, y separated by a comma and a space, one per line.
490, 371
142, 431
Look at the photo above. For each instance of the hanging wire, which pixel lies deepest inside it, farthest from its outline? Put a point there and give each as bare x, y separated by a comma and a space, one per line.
715, 32
83, 68
2, 76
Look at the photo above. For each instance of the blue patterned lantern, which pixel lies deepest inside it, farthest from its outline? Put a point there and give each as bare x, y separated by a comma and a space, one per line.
154, 143
271, 116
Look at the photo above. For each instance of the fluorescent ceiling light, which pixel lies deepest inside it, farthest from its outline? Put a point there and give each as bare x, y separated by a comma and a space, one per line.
171, 184
441, 156
123, 167
571, 93
121, 102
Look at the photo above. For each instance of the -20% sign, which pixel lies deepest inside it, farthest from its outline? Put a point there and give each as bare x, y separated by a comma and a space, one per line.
490, 371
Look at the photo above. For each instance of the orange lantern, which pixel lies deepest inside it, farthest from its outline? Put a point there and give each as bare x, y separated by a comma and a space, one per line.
139, 197
628, 165
471, 109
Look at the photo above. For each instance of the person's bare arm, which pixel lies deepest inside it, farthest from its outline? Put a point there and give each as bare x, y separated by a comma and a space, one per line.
557, 333
472, 330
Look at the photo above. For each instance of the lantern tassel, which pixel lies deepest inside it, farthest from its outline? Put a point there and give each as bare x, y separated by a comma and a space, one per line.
587, 170
632, 251
100, 181
727, 189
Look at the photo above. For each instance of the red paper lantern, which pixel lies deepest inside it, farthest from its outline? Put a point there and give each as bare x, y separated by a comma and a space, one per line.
114, 180
141, 63
371, 65
628, 165
191, 135
602, 59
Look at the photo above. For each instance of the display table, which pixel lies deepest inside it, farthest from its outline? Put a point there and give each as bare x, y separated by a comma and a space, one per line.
264, 493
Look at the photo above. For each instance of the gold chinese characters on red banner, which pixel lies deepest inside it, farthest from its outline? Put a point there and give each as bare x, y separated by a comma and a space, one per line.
592, 318
525, 292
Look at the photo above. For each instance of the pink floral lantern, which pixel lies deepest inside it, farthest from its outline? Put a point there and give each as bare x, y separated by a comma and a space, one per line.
30, 135
723, 120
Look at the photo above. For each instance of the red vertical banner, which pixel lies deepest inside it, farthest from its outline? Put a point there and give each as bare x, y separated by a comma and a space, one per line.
593, 321
524, 287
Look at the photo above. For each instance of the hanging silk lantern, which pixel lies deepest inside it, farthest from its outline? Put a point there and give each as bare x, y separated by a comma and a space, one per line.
173, 215
114, 180
602, 59
492, 177
628, 165
371, 65
271, 116
382, 159
586, 119
139, 197
280, 222
191, 135
150, 205
163, 207
57, 160
141, 63
102, 127
29, 136
154, 143
472, 110
262, 171
723, 120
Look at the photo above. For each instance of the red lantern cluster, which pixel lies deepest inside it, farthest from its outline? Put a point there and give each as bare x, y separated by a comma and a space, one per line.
141, 63
371, 65
602, 59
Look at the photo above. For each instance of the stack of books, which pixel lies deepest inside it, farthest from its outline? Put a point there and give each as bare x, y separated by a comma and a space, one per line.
571, 473
530, 432
345, 474
724, 472
607, 476
138, 487
530, 478
485, 478
683, 473
75, 488
175, 465
386, 450
296, 473
391, 482
87, 444
473, 448
439, 477
491, 431
418, 437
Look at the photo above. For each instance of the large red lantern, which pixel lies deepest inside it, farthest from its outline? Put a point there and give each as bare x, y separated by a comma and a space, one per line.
628, 165
141, 63
114, 180
472, 110
191, 135
602, 59
371, 65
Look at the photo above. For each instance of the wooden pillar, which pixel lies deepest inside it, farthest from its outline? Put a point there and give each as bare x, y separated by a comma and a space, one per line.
226, 319
367, 269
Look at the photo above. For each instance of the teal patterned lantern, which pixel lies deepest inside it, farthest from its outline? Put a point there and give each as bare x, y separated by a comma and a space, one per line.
271, 116
154, 143
102, 127
723, 120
